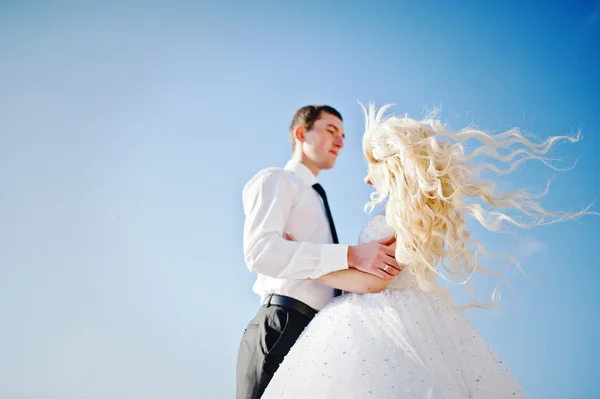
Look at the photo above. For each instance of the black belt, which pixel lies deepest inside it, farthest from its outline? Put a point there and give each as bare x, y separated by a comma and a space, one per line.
287, 302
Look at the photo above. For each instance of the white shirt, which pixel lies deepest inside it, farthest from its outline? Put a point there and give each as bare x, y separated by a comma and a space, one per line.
278, 201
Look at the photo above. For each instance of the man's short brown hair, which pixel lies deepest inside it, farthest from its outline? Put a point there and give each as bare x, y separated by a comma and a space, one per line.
307, 116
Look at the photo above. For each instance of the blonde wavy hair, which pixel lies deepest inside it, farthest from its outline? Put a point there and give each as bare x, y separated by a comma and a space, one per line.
426, 179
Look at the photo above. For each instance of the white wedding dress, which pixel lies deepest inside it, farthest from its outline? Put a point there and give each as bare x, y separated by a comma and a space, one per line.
399, 343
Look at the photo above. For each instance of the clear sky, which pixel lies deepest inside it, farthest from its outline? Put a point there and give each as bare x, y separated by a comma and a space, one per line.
127, 131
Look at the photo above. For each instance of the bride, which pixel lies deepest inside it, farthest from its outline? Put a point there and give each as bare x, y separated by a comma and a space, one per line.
407, 339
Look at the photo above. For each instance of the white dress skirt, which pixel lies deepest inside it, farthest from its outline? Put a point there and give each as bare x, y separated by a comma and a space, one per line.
399, 343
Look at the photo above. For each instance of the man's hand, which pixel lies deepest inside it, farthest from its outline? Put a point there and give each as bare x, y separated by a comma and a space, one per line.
376, 258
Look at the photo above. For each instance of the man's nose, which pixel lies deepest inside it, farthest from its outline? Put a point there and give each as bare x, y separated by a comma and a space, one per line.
338, 142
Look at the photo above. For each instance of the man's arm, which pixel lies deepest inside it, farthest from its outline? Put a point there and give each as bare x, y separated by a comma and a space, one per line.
268, 200
353, 280
360, 282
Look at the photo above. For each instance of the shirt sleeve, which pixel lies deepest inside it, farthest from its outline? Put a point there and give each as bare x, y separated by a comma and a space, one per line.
268, 199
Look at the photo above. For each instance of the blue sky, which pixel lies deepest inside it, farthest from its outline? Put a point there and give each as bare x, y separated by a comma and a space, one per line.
127, 131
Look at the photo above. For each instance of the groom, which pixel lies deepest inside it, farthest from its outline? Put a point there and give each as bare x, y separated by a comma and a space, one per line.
290, 200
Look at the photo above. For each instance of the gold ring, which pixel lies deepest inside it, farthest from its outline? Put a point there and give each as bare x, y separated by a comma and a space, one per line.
385, 268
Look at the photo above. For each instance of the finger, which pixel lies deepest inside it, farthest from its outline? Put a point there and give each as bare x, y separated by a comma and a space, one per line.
391, 270
383, 275
391, 262
389, 251
387, 241
388, 255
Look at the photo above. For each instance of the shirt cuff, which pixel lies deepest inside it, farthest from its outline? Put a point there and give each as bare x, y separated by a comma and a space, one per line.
334, 257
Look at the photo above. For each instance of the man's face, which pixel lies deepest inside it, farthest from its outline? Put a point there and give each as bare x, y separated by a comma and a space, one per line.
324, 141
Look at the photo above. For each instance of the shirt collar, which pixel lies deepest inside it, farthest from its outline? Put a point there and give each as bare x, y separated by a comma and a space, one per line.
302, 171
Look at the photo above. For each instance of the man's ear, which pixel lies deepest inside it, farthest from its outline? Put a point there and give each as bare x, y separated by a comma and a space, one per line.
299, 133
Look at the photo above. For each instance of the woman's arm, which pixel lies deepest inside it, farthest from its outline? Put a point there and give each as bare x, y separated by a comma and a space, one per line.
352, 280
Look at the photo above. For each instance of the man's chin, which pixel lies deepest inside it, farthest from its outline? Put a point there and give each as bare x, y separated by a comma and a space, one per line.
328, 165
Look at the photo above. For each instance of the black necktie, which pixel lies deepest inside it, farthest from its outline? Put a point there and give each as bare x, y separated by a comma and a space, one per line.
319, 189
